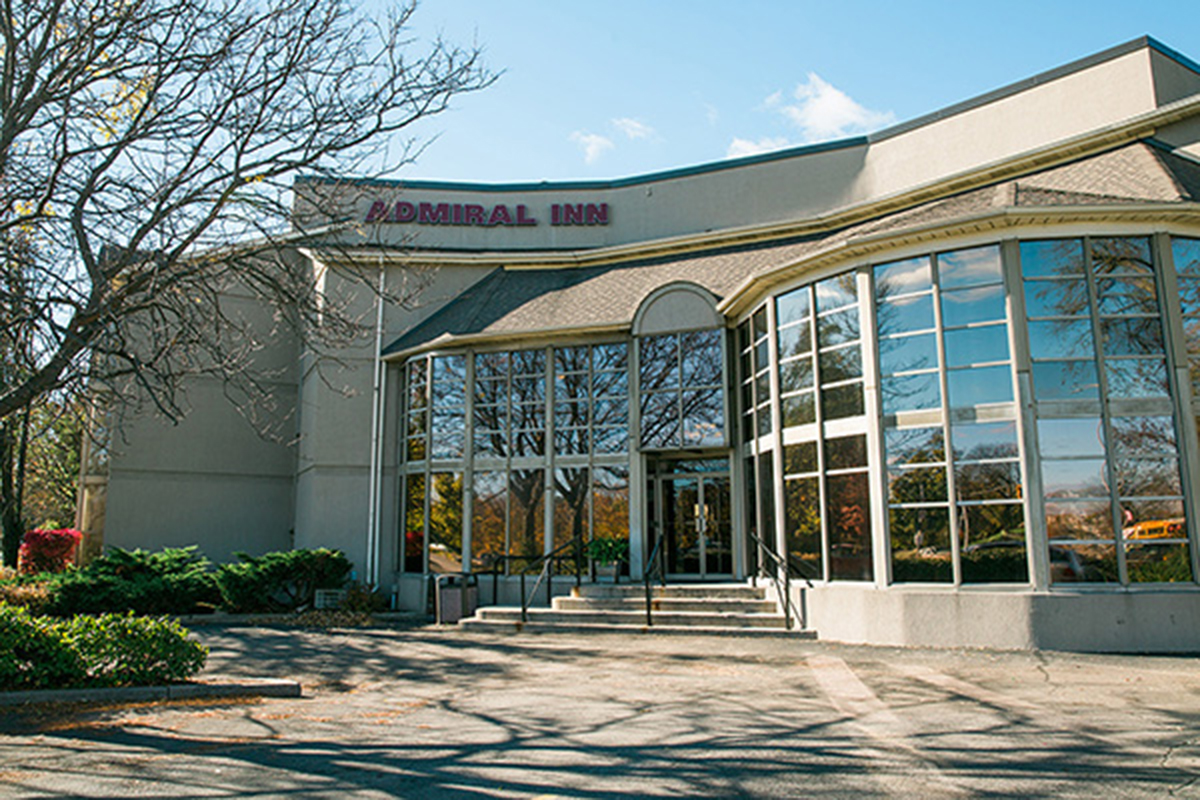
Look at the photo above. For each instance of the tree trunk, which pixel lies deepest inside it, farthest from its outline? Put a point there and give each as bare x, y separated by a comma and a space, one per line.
10, 509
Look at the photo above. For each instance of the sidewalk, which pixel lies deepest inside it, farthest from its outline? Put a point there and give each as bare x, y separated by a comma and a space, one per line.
437, 713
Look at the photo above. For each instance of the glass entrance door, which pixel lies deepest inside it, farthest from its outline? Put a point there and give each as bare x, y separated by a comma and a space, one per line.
690, 507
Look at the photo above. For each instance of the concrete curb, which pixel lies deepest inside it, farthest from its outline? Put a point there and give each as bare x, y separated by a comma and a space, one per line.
251, 687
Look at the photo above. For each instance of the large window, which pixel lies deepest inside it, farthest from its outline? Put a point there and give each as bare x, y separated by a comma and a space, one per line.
1106, 429
682, 390
547, 459
954, 513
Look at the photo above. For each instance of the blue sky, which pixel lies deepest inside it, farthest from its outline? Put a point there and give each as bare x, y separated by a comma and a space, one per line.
611, 88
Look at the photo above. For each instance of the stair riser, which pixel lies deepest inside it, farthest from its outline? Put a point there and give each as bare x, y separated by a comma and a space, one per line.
544, 616
665, 604
479, 626
699, 592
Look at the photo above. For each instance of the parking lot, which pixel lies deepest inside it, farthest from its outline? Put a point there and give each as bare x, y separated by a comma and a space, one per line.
423, 712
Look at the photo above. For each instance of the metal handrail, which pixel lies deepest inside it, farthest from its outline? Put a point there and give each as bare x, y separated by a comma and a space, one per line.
548, 561
781, 567
654, 565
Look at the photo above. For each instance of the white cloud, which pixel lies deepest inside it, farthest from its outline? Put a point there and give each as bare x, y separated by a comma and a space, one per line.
593, 145
633, 128
745, 147
825, 112
711, 113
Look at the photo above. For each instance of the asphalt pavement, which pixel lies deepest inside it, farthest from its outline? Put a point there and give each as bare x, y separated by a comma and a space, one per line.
435, 713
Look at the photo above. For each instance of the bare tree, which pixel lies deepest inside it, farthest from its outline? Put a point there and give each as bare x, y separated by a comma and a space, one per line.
148, 153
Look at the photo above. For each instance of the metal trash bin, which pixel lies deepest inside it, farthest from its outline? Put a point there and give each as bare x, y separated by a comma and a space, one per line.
456, 595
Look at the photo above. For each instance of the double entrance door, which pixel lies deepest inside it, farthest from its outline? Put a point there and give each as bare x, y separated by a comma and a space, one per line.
689, 507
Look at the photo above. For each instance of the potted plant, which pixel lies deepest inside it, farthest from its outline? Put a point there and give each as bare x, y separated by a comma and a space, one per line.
607, 553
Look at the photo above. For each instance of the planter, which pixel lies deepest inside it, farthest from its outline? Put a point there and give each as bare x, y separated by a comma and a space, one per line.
608, 572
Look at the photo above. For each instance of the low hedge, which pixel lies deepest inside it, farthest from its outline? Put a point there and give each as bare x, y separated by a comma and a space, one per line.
170, 581
283, 581
83, 652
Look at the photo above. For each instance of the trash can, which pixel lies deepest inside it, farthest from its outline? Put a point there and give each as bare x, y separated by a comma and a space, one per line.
456, 596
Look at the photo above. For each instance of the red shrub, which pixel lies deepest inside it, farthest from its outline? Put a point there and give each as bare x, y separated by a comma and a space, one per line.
47, 551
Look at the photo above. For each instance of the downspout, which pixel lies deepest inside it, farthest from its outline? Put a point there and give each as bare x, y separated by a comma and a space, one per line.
372, 566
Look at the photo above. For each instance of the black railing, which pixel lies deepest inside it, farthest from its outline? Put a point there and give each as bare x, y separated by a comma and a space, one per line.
501, 567
655, 567
544, 564
780, 574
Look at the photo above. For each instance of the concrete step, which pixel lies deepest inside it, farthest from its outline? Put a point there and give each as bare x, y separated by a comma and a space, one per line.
632, 618
724, 591
693, 604
476, 625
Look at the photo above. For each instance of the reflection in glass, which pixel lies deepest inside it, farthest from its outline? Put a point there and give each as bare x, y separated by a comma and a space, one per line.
795, 375
842, 401
979, 386
844, 363
1058, 438
976, 345
792, 307
846, 452
610, 502
798, 410
984, 440
794, 341
1158, 562
849, 513
489, 518
1131, 337
1144, 436
445, 522
920, 544
1052, 257
1136, 377
836, 292
1141, 477
1127, 296
992, 543
414, 523
1121, 255
571, 490
660, 419
840, 327
911, 392
1079, 519
1086, 477
1065, 380
700, 352
902, 277
917, 485
966, 307
908, 353
914, 445
703, 417
800, 458
527, 522
980, 265
1083, 563
990, 481
802, 521
1056, 299
1061, 339
904, 314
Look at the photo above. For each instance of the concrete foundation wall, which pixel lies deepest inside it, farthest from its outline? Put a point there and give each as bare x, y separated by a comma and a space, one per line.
1165, 621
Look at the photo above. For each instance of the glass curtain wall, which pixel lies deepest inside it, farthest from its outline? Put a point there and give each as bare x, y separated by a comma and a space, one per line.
544, 458
955, 512
682, 389
1107, 433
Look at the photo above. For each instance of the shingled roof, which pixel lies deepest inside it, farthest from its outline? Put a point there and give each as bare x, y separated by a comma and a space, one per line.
511, 302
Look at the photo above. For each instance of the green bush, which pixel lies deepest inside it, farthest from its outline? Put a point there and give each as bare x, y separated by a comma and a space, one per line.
171, 581
34, 654
108, 650
283, 581
134, 651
